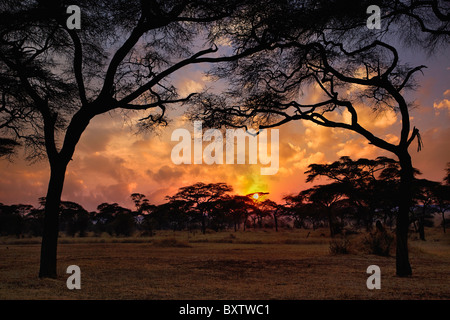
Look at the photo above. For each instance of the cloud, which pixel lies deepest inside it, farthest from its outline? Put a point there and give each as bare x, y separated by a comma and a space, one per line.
357, 148
166, 173
443, 105
21, 183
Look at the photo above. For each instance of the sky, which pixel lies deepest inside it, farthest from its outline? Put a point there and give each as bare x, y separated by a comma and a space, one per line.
112, 160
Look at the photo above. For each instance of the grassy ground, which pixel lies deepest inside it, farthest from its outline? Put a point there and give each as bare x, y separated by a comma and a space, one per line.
287, 265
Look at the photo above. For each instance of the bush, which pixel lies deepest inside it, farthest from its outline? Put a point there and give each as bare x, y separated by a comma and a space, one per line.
339, 246
379, 243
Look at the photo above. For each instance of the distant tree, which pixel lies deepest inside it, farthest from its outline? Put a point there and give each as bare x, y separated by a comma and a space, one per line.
447, 176
34, 221
238, 208
371, 185
357, 179
219, 214
443, 196
10, 221
74, 218
124, 223
327, 196
295, 206
176, 215
271, 208
138, 198
424, 196
442, 201
114, 219
143, 212
202, 196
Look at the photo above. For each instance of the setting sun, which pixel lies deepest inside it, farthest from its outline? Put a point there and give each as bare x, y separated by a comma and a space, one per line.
256, 196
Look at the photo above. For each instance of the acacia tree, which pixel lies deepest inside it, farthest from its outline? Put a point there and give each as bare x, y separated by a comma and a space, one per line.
356, 178
296, 206
365, 182
239, 207
55, 80
201, 197
443, 196
425, 196
326, 196
144, 212
74, 218
447, 176
326, 46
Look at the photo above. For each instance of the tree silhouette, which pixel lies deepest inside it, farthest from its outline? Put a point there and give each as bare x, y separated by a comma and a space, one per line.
73, 218
325, 45
138, 199
442, 201
144, 210
425, 196
114, 219
295, 207
367, 183
271, 208
327, 197
55, 80
447, 176
177, 213
11, 222
238, 208
201, 198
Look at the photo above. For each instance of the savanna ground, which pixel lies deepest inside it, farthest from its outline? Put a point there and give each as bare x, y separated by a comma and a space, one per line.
250, 265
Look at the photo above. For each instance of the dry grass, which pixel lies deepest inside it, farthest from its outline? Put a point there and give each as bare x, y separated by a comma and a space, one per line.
287, 265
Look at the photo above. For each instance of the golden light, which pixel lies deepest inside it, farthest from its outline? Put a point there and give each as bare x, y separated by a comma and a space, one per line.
256, 196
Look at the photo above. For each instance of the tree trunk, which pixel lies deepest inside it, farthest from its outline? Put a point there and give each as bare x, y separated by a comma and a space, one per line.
369, 222
403, 267
422, 225
276, 222
51, 221
443, 220
203, 223
331, 222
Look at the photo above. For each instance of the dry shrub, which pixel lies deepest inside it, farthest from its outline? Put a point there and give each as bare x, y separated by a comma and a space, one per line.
340, 246
379, 243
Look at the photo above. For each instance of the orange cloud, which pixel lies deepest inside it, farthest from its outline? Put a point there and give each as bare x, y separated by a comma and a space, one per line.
443, 105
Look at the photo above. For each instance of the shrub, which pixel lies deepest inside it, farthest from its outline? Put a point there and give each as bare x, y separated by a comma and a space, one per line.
339, 246
379, 243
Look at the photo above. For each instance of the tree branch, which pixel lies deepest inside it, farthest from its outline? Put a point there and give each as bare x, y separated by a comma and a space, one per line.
78, 65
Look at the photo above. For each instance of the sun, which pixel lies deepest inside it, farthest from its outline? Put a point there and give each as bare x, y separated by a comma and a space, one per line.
256, 196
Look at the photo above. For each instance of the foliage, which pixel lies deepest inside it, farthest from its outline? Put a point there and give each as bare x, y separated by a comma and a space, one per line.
379, 243
339, 246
